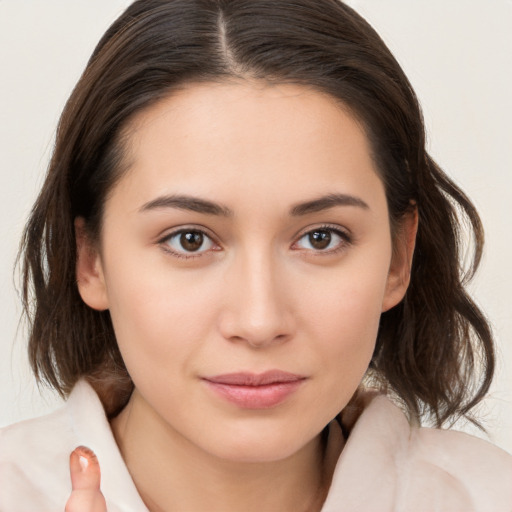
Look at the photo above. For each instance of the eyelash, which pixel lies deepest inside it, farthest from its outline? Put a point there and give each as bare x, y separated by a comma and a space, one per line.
345, 237
165, 245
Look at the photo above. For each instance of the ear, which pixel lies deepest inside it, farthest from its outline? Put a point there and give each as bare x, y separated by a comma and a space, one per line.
399, 274
89, 272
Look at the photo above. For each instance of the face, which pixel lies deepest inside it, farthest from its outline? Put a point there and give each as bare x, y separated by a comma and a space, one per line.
245, 258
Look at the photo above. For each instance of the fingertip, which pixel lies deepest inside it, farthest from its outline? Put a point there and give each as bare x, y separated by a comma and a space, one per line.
86, 457
84, 468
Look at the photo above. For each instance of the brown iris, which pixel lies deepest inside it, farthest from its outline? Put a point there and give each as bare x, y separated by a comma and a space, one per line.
320, 239
191, 240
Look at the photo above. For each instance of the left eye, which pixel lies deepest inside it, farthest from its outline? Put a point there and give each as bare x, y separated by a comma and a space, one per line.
189, 241
322, 239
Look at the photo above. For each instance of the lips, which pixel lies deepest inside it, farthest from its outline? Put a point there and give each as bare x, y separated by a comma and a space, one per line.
255, 391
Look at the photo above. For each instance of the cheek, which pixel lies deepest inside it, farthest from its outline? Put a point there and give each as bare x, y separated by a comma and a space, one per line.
160, 319
346, 355
349, 299
345, 315
346, 323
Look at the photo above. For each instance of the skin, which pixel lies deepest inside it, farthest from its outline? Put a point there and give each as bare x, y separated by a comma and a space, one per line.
259, 294
85, 481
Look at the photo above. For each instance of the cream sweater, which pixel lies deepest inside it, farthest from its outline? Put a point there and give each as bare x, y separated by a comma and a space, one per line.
386, 465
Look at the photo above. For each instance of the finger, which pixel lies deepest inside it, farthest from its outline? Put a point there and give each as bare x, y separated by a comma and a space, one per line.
85, 469
85, 480
86, 501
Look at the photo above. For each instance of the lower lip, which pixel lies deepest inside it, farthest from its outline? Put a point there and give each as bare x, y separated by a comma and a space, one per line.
256, 397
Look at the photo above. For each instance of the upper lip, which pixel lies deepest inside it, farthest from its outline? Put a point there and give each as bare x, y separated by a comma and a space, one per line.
254, 379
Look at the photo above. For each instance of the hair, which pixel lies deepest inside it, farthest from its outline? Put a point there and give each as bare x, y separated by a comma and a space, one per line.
434, 350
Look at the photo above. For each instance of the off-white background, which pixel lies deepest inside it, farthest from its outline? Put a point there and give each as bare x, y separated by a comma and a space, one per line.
457, 53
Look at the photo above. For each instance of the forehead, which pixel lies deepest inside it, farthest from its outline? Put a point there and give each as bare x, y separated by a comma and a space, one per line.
247, 138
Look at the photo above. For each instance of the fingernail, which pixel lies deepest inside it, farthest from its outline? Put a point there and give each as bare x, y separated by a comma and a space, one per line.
84, 463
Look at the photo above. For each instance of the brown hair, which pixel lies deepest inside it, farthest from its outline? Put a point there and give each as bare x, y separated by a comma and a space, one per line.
434, 350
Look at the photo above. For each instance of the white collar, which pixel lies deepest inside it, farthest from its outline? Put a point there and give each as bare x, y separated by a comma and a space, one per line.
93, 430
370, 454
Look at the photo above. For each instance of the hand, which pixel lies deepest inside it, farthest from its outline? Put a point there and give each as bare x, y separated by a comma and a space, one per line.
85, 481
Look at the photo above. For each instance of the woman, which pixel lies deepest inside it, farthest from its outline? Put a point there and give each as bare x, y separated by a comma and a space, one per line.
241, 234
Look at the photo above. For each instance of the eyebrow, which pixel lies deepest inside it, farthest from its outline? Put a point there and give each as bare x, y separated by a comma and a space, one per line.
196, 204
183, 202
326, 202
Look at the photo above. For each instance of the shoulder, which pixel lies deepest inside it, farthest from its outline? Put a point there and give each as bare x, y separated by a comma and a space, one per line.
33, 465
461, 465
34, 457
389, 465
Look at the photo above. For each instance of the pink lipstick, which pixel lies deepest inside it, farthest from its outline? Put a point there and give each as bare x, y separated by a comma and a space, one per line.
255, 391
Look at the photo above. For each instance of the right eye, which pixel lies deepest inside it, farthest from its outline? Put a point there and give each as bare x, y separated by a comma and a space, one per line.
187, 243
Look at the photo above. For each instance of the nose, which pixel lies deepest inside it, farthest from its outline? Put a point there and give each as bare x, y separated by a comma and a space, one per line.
257, 310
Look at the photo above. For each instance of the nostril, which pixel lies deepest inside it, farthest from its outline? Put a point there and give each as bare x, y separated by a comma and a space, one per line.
263, 342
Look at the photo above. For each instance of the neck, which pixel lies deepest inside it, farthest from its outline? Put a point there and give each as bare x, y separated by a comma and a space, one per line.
173, 474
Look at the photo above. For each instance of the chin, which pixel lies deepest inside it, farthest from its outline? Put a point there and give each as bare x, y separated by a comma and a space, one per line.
256, 453
261, 443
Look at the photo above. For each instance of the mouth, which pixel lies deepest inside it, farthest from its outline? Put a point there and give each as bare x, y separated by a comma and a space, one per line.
255, 391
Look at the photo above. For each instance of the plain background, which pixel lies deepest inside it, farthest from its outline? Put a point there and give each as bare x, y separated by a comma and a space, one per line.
457, 54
